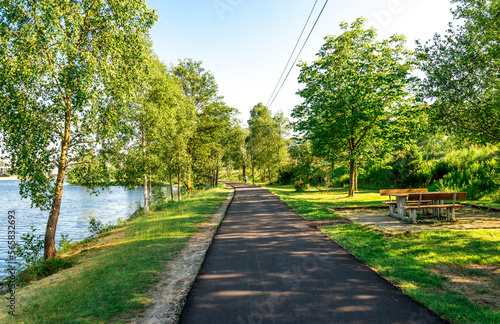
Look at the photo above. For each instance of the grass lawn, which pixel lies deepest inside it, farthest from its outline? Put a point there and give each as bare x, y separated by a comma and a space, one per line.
314, 204
454, 273
113, 274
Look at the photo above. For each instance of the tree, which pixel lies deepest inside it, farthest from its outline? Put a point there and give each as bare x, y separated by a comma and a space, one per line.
352, 89
462, 72
237, 153
268, 134
197, 83
159, 126
213, 132
303, 159
65, 68
211, 141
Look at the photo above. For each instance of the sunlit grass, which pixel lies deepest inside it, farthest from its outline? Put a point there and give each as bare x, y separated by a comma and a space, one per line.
112, 276
315, 204
407, 261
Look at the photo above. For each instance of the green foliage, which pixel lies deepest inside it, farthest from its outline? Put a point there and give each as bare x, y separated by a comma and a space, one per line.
96, 226
462, 72
215, 130
301, 186
66, 69
474, 170
352, 91
91, 172
267, 139
30, 250
42, 268
64, 243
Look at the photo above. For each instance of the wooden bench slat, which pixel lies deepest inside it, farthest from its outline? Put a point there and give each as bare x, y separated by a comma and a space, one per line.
437, 195
432, 206
386, 192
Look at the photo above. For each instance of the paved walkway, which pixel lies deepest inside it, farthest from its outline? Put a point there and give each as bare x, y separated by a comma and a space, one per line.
267, 266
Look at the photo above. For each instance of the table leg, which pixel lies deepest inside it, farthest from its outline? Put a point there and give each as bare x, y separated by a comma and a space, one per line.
392, 210
400, 202
438, 212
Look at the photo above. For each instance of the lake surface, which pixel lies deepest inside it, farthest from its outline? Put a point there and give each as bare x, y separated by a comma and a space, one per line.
76, 207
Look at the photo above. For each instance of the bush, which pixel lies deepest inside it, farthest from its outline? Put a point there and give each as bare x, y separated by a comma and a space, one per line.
301, 186
30, 250
64, 243
286, 175
474, 170
41, 269
97, 227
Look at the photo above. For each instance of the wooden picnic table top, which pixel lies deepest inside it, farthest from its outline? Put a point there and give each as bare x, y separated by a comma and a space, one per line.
425, 195
419, 193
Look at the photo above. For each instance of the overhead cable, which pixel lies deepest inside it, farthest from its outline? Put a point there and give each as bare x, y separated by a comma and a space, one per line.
298, 55
291, 55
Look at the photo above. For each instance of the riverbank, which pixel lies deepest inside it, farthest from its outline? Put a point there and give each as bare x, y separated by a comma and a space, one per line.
113, 276
453, 270
9, 178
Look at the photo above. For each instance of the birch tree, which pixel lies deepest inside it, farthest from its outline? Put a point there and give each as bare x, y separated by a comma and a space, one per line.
65, 71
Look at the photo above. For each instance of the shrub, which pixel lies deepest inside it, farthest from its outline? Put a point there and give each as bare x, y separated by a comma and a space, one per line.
64, 243
41, 269
30, 250
301, 186
97, 227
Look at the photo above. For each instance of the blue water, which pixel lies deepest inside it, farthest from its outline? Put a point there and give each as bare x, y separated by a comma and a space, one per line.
76, 207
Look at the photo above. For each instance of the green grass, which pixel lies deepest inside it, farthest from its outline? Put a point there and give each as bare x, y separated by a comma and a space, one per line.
407, 262
485, 201
112, 276
337, 198
314, 204
422, 264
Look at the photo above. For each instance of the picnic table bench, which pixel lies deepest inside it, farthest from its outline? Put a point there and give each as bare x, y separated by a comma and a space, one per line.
438, 203
402, 193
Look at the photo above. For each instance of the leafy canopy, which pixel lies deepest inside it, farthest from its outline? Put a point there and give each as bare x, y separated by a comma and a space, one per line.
462, 72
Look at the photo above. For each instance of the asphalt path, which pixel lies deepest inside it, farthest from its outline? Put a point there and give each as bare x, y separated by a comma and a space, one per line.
266, 265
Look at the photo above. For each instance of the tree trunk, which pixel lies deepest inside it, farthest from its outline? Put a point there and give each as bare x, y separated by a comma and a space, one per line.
49, 250
149, 191
356, 178
217, 171
146, 205
179, 194
189, 185
171, 184
351, 177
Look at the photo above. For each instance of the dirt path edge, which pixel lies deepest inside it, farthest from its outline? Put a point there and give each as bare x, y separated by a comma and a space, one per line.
170, 294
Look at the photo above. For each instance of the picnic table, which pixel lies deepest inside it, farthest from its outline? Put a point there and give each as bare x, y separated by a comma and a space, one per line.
413, 201
398, 202
437, 204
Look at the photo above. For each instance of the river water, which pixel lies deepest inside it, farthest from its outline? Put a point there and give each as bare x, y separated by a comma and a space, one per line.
76, 207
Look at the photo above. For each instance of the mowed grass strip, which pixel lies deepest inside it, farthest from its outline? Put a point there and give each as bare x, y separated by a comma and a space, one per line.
454, 273
112, 276
314, 204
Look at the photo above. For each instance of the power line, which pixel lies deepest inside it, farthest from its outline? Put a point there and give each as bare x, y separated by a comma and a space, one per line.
291, 67
291, 55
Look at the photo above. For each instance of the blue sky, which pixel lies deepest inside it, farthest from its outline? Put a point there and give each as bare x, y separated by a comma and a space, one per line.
246, 43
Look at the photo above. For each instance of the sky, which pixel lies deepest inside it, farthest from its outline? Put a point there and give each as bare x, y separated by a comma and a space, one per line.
245, 44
